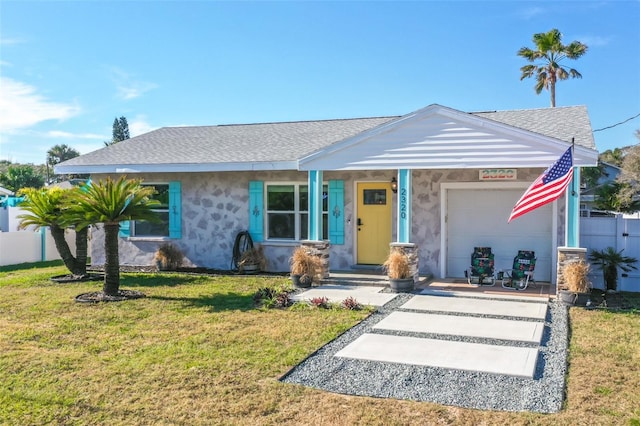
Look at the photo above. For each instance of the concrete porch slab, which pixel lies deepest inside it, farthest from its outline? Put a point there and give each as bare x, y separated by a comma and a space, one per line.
508, 360
337, 293
455, 325
508, 308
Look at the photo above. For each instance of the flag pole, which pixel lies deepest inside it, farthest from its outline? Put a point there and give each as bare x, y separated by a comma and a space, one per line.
573, 156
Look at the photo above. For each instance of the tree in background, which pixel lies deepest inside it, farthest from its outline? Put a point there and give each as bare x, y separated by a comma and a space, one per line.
614, 156
120, 131
629, 177
19, 176
546, 60
623, 194
110, 202
44, 208
57, 154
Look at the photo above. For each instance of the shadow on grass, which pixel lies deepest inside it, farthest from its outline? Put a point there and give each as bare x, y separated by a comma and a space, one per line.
31, 265
615, 302
215, 303
157, 280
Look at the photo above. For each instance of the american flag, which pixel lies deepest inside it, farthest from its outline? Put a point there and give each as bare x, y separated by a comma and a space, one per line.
549, 186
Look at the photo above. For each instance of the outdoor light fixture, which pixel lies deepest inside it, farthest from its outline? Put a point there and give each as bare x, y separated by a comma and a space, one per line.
394, 185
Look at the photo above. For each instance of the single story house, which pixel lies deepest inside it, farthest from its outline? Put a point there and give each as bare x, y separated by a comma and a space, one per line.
439, 178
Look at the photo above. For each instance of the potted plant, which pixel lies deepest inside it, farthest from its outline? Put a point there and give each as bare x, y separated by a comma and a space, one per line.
168, 257
577, 283
252, 260
305, 267
398, 268
610, 260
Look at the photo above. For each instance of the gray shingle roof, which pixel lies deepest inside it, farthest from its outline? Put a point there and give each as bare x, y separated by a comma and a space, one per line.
560, 123
248, 143
280, 145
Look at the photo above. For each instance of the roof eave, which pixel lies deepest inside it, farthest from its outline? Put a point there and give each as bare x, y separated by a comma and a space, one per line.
176, 168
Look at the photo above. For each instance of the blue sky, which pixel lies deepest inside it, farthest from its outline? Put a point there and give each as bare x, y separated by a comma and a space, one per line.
69, 68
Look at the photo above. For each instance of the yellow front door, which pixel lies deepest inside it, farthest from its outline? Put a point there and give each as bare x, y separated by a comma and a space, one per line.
373, 222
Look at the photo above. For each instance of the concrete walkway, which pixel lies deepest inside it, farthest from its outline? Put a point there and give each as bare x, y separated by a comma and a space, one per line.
366, 295
497, 335
455, 325
512, 361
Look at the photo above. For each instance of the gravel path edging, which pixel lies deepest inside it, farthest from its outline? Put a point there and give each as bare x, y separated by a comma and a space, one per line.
468, 389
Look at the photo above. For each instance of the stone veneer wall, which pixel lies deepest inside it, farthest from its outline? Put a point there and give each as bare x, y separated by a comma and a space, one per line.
215, 209
320, 249
567, 255
412, 251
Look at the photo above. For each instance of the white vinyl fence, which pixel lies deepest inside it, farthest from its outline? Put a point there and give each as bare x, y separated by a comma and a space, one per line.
597, 233
31, 246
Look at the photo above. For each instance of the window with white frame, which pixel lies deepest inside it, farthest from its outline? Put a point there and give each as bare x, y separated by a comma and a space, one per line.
140, 228
287, 211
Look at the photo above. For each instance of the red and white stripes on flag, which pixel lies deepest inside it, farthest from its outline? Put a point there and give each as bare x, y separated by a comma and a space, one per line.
549, 186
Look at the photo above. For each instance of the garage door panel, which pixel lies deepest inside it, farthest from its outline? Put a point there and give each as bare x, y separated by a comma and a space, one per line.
478, 218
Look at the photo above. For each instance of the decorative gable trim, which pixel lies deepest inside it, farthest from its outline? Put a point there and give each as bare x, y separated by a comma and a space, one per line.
437, 137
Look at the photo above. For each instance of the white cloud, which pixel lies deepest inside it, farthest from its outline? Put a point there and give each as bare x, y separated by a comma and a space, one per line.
68, 135
139, 125
129, 88
530, 12
594, 41
4, 41
21, 106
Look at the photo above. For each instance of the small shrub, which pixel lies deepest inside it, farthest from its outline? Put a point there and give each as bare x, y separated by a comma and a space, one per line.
397, 265
272, 298
351, 304
320, 302
303, 262
283, 300
253, 256
575, 276
263, 294
168, 257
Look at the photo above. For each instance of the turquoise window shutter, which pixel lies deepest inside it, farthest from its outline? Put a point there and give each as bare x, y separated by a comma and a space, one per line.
175, 209
336, 211
256, 210
125, 229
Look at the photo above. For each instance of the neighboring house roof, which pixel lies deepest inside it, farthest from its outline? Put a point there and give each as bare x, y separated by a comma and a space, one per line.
5, 191
279, 146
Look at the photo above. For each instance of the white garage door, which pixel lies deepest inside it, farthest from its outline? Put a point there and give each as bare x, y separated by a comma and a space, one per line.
478, 218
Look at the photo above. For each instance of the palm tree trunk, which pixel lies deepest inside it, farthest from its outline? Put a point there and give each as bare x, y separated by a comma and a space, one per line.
611, 277
81, 250
112, 260
553, 93
64, 251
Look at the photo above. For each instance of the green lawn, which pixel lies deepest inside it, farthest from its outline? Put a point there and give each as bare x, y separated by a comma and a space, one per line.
197, 351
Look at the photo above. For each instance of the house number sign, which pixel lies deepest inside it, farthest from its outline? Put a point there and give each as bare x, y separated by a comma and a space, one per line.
498, 174
403, 203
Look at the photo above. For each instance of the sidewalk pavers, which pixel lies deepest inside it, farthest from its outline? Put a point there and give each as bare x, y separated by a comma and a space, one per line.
508, 360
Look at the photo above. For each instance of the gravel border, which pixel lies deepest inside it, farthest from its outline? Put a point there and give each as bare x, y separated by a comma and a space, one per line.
469, 389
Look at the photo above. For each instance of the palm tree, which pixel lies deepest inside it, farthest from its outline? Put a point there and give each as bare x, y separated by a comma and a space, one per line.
110, 202
610, 260
59, 153
546, 61
44, 208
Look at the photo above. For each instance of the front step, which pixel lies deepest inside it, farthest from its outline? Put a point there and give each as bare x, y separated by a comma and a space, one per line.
369, 279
